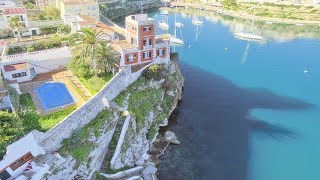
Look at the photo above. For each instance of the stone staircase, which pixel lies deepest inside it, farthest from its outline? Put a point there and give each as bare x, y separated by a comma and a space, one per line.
79, 86
112, 146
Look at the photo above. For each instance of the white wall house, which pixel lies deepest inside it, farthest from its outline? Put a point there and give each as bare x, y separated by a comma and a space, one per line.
19, 156
17, 11
26, 66
19, 71
6, 4
22, 14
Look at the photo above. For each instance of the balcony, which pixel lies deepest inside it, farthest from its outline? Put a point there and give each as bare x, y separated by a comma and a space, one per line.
147, 47
161, 44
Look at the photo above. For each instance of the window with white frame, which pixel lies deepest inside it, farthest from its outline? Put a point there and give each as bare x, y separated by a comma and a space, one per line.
147, 42
160, 52
146, 54
16, 75
134, 41
147, 28
130, 57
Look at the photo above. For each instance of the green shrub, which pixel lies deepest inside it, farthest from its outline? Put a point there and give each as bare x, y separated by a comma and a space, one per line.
154, 72
49, 29
64, 29
96, 83
11, 128
15, 50
78, 145
175, 56
30, 5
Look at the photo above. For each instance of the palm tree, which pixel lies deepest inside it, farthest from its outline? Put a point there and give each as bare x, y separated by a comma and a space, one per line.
105, 56
15, 23
85, 42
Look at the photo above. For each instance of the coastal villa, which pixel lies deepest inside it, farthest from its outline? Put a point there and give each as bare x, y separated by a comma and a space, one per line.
21, 12
78, 7
142, 46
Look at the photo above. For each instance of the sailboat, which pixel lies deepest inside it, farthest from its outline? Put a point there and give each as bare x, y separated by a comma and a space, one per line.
163, 24
179, 24
165, 12
197, 32
250, 35
173, 38
197, 21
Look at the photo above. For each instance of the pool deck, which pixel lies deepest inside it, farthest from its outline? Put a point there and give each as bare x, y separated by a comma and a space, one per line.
76, 88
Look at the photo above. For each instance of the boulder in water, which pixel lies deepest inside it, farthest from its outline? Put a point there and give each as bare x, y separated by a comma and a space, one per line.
171, 137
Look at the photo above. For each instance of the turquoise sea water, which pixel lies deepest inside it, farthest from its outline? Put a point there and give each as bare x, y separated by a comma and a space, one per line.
253, 115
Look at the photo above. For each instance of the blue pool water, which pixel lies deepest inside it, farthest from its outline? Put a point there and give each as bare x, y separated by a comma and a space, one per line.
53, 95
253, 115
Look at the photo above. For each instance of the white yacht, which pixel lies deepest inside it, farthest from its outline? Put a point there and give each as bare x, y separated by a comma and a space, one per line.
248, 36
197, 21
173, 38
163, 25
165, 12
179, 25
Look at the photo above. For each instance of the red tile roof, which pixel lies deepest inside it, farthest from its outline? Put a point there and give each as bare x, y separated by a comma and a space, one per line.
14, 67
9, 11
2, 43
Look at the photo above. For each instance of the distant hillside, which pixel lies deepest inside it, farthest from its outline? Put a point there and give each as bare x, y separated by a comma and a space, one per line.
117, 8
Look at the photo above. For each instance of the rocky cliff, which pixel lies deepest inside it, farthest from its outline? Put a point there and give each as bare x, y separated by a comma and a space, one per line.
119, 138
149, 102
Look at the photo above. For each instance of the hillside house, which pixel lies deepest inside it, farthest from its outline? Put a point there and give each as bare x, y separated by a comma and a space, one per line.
19, 157
21, 12
142, 45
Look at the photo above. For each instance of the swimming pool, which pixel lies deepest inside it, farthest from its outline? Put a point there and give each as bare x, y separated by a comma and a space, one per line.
54, 95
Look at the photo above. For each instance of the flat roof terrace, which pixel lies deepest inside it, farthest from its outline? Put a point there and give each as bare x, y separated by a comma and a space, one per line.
141, 19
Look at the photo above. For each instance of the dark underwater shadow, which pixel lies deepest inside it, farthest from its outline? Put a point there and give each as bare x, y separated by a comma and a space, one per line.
213, 126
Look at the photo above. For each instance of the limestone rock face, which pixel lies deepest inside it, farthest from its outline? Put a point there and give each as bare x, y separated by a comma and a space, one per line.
160, 96
171, 137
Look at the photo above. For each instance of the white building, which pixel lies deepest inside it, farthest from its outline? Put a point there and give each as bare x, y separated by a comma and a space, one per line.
19, 156
22, 14
18, 71
6, 4
23, 67
12, 12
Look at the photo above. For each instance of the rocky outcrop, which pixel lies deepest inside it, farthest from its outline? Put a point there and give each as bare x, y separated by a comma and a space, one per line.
158, 96
170, 137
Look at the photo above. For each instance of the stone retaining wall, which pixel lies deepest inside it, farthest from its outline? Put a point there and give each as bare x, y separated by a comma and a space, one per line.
51, 140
